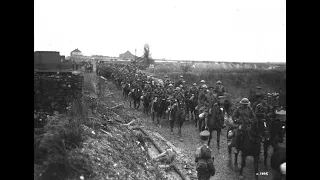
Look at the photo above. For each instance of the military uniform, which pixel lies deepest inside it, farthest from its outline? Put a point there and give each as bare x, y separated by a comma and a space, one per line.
203, 154
219, 90
170, 92
263, 109
202, 99
178, 95
242, 116
147, 88
209, 100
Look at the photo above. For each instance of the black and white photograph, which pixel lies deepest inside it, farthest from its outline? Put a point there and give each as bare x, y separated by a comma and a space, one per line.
160, 90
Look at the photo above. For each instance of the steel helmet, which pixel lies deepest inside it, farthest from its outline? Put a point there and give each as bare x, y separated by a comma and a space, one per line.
170, 85
219, 82
181, 76
202, 81
244, 101
205, 86
194, 84
177, 88
205, 133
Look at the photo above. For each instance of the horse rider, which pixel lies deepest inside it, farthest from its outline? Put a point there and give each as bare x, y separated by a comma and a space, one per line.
263, 108
202, 83
201, 99
166, 81
178, 94
170, 90
204, 160
219, 90
242, 115
211, 102
210, 99
147, 88
185, 86
258, 94
194, 90
179, 81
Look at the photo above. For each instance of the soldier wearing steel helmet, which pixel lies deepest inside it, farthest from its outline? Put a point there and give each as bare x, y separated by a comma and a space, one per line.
219, 89
243, 115
263, 109
202, 83
194, 89
170, 90
180, 81
166, 81
204, 161
178, 94
147, 87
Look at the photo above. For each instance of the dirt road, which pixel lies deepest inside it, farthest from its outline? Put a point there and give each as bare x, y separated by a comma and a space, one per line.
187, 144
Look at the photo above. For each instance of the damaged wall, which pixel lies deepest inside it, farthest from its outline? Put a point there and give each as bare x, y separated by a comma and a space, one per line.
53, 91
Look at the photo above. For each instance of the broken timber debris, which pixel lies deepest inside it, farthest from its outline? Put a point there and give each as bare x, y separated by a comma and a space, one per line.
117, 106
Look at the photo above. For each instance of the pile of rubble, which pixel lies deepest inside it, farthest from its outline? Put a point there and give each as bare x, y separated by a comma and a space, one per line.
111, 150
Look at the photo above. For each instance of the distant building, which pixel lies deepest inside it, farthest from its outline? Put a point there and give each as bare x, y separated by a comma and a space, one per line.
47, 60
126, 56
76, 52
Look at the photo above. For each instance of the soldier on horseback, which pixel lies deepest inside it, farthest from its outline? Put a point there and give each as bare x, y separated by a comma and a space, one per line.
202, 83
166, 81
211, 102
219, 90
170, 91
178, 94
202, 96
263, 108
180, 81
147, 88
242, 115
258, 94
194, 89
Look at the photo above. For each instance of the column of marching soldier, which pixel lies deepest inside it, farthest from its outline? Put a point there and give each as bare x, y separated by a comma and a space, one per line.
206, 96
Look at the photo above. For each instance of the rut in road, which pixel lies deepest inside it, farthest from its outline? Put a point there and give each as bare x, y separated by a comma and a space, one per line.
188, 143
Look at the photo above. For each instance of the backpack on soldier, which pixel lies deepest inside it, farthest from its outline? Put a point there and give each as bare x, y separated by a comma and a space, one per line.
205, 162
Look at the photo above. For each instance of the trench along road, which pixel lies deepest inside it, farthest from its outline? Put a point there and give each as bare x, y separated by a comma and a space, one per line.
185, 146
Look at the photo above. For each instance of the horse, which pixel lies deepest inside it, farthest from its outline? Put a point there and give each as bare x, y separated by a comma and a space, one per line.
225, 103
276, 134
135, 97
146, 102
200, 117
159, 107
177, 115
125, 90
278, 158
213, 122
249, 145
191, 105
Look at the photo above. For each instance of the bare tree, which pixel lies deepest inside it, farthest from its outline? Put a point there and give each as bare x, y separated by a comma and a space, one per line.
147, 59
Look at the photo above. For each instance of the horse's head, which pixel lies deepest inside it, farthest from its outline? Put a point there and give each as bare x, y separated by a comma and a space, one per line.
277, 131
259, 126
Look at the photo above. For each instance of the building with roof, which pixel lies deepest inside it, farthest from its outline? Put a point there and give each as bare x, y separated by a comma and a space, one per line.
76, 52
126, 56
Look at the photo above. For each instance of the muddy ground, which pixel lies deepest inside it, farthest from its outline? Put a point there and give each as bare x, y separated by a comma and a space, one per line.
188, 142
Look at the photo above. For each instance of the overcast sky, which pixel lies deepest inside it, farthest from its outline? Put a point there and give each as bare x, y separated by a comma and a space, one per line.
217, 30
